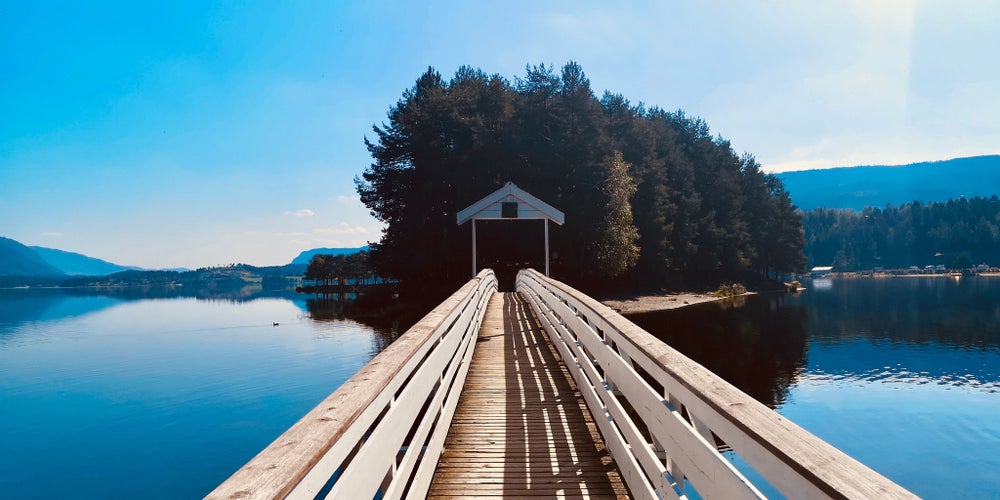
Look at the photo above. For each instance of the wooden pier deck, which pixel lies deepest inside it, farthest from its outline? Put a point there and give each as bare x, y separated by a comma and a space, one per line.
474, 402
521, 429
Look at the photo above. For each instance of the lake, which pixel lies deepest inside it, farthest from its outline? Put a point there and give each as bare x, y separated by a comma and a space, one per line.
156, 394
127, 397
901, 373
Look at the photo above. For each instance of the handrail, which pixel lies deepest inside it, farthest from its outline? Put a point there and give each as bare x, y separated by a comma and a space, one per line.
383, 430
660, 413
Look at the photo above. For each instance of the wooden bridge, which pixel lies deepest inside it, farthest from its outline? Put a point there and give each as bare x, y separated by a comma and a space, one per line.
543, 392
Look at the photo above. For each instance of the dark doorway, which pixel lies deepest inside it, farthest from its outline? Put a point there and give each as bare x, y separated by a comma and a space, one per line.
508, 246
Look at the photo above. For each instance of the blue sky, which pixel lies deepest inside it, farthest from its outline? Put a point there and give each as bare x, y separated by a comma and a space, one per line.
186, 134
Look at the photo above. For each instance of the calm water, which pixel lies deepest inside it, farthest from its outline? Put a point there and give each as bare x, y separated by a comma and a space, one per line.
126, 397
902, 374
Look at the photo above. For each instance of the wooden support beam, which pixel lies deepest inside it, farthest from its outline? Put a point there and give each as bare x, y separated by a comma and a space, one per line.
546, 247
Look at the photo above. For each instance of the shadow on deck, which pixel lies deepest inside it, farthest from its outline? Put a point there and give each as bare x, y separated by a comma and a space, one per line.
521, 428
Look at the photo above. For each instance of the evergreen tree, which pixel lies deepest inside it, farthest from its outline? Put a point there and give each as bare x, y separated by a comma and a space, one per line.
649, 195
951, 234
317, 269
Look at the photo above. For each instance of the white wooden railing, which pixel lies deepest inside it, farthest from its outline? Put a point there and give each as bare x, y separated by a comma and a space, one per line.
383, 430
660, 413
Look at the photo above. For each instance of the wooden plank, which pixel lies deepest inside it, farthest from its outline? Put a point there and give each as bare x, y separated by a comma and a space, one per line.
412, 461
378, 453
586, 379
710, 472
425, 470
520, 430
547, 490
479, 496
795, 461
300, 461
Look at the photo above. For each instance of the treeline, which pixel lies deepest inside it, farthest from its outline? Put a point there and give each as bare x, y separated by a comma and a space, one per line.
272, 277
957, 234
339, 269
650, 196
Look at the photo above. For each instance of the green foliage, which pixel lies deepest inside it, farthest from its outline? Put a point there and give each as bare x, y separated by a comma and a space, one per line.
730, 290
617, 251
955, 234
650, 196
776, 231
338, 269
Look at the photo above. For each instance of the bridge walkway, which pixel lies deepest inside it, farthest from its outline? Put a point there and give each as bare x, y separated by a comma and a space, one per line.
521, 428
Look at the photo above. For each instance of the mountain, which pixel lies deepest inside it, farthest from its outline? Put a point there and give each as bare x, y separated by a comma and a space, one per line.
75, 264
877, 186
306, 256
19, 260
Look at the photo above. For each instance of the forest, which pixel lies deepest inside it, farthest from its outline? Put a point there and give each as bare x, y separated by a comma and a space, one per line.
652, 199
957, 234
328, 269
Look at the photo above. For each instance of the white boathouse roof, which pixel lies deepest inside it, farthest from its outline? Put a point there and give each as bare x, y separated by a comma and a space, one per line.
528, 207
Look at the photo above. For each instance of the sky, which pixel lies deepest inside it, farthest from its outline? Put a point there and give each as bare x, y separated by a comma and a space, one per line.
193, 134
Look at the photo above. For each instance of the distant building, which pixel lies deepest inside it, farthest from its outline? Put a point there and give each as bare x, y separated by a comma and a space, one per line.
821, 270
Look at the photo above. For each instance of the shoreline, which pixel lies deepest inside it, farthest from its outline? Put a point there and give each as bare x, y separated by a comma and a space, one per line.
887, 275
652, 303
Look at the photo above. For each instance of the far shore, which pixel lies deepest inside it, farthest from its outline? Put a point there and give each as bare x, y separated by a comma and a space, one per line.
651, 303
850, 275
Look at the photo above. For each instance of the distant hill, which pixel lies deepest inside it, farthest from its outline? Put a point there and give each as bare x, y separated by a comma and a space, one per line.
19, 260
877, 186
75, 264
21, 265
306, 256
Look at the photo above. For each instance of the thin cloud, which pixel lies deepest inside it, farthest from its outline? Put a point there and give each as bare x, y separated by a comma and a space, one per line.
342, 228
305, 212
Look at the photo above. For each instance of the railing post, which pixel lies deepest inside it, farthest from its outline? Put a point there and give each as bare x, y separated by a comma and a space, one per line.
673, 468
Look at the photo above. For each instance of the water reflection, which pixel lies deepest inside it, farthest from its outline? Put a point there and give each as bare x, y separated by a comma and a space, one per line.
34, 304
168, 393
210, 291
900, 373
907, 331
963, 314
21, 309
746, 341
23, 306
386, 324
326, 307
900, 330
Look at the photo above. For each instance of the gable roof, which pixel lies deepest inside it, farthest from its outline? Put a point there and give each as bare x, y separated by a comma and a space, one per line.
530, 207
